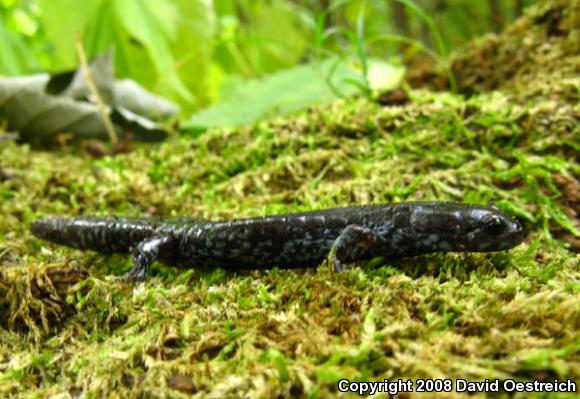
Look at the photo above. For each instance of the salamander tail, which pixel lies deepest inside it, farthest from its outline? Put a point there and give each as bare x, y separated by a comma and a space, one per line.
107, 234
48, 228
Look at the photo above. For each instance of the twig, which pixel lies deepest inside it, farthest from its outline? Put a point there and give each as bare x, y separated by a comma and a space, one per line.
95, 92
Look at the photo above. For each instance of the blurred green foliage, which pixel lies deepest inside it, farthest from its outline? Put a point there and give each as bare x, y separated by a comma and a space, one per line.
200, 52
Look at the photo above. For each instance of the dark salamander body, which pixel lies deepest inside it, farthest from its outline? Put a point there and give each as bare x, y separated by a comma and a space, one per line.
292, 240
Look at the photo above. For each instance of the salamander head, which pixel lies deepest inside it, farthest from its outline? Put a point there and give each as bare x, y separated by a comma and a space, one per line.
461, 227
487, 229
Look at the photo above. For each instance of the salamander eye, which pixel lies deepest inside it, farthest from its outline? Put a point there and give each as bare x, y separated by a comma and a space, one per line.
494, 224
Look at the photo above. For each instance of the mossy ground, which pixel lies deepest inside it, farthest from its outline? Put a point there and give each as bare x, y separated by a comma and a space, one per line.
284, 333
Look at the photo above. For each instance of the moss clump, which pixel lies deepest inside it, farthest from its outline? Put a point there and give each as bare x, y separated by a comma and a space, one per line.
536, 56
286, 333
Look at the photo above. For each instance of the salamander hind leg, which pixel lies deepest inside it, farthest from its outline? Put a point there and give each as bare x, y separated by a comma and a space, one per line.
353, 236
147, 252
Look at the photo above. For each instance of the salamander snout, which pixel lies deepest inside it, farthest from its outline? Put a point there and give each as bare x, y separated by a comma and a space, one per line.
493, 231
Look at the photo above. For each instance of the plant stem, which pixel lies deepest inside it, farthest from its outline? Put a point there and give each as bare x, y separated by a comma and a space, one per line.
95, 92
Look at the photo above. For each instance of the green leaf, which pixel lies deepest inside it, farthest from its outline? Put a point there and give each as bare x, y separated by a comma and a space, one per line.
145, 24
102, 31
281, 93
276, 37
16, 58
196, 31
62, 20
166, 15
384, 76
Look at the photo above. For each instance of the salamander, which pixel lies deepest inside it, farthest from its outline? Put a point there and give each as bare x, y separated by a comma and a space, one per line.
291, 240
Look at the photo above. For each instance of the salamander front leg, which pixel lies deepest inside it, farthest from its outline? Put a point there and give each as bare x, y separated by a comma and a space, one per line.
353, 236
146, 253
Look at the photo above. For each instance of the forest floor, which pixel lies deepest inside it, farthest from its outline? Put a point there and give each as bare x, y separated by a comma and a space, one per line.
510, 137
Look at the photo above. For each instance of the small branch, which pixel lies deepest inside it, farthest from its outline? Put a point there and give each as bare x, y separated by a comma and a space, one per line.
95, 92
